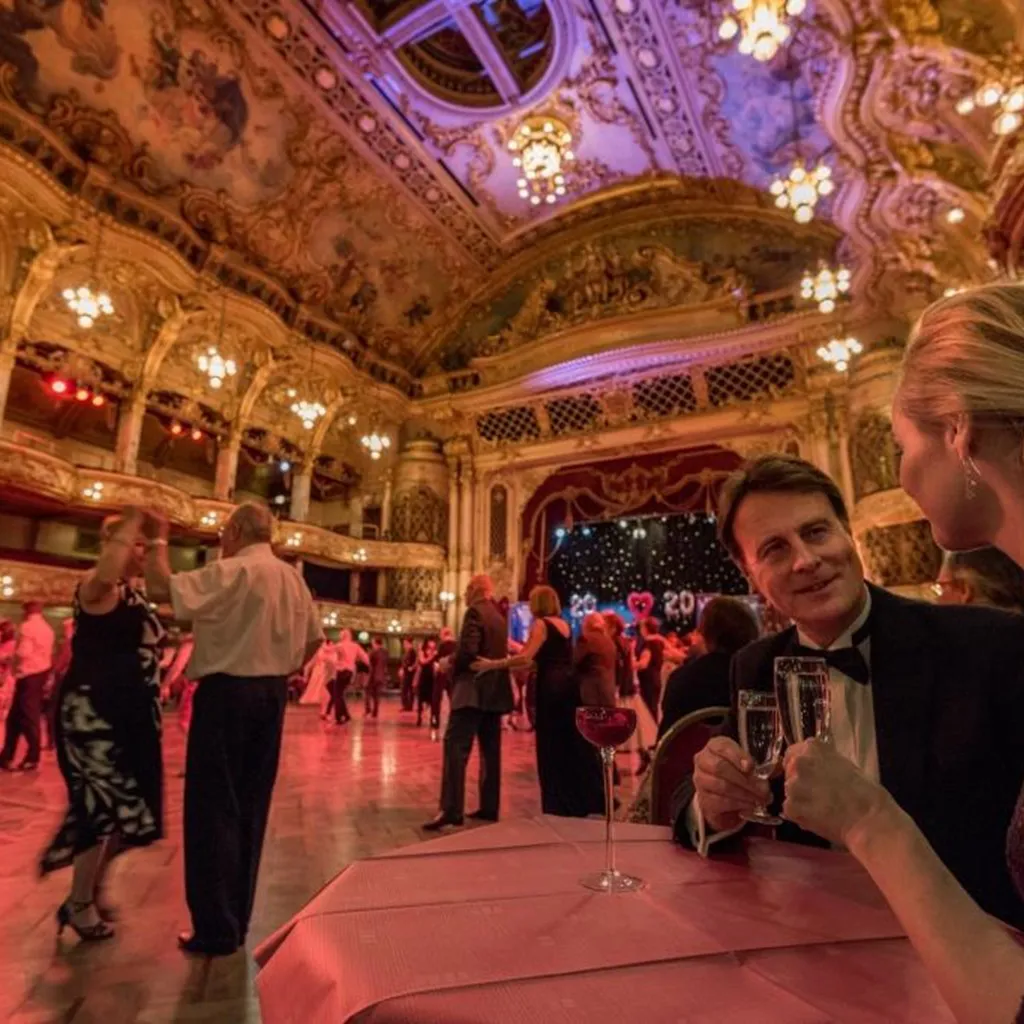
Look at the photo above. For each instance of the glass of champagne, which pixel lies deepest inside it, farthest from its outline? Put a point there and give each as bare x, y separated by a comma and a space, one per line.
802, 691
608, 728
761, 737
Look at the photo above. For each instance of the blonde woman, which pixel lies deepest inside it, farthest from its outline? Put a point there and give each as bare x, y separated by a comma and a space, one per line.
958, 417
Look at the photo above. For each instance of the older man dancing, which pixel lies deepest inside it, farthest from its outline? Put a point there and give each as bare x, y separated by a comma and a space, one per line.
254, 624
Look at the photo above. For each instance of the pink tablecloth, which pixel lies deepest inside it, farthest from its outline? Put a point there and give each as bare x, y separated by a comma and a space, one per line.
492, 925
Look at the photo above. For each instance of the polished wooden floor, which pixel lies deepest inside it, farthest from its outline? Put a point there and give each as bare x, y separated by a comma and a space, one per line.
342, 794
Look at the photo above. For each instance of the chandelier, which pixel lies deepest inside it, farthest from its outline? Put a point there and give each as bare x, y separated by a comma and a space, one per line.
211, 362
1005, 100
825, 287
801, 189
88, 305
446, 597
394, 626
542, 149
761, 25
376, 444
360, 555
839, 351
6, 586
308, 412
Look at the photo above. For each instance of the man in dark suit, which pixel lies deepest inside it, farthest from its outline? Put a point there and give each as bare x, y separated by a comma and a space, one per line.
478, 700
926, 699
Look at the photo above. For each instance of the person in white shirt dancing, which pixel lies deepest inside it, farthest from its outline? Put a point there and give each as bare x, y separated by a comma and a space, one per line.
254, 624
347, 656
33, 662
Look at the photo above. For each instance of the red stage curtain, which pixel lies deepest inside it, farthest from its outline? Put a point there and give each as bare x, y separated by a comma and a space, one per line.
655, 484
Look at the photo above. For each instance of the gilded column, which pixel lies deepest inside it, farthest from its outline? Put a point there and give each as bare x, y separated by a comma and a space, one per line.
452, 563
353, 586
302, 485
129, 433
6, 369
227, 466
467, 524
385, 507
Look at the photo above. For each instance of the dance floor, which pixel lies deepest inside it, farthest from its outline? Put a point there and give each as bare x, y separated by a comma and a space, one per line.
342, 793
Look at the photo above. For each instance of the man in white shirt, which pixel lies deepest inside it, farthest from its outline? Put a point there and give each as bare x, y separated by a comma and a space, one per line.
926, 699
254, 624
348, 656
33, 662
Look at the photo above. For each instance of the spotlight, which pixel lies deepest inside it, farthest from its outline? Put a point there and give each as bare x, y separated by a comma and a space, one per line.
176, 428
99, 401
285, 465
560, 532
197, 434
280, 499
58, 386
81, 394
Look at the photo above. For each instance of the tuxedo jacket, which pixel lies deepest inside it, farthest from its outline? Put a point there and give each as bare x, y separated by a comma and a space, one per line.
948, 691
484, 635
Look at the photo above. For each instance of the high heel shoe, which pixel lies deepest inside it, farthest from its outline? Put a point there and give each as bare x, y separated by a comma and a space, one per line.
89, 933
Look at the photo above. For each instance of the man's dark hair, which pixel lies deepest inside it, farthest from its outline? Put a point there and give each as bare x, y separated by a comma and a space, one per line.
996, 579
727, 624
773, 474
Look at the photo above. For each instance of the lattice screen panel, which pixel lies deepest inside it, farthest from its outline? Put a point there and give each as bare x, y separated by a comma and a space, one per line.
420, 515
763, 377
901, 555
414, 589
665, 396
513, 425
873, 458
577, 414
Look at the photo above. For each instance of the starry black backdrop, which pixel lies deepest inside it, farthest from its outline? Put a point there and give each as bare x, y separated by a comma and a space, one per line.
611, 559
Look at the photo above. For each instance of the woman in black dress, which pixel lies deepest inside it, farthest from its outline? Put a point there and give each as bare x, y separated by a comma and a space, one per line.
426, 682
568, 767
108, 728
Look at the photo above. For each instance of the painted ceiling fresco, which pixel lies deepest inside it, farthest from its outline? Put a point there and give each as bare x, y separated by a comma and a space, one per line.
357, 152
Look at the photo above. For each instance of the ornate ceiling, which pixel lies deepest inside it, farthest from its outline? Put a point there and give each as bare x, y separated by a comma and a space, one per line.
354, 157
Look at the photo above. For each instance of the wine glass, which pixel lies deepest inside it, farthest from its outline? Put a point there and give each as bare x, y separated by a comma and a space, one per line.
761, 737
802, 691
608, 728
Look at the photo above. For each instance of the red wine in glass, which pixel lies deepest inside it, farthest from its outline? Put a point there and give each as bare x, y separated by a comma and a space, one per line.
608, 728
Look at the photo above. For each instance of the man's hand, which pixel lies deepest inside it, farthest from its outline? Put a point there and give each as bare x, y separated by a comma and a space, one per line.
724, 780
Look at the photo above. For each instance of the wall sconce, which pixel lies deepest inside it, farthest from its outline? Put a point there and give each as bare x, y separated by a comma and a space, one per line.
7, 586
94, 492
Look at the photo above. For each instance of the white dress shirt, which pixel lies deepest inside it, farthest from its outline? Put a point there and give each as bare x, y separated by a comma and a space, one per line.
33, 651
347, 654
251, 615
853, 723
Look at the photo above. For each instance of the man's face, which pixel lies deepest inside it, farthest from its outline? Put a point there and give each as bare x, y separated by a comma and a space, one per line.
800, 558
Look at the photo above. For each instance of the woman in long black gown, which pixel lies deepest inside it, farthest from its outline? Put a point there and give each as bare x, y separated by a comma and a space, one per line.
108, 728
568, 767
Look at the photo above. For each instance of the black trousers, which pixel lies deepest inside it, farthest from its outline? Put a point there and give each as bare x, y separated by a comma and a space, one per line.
407, 696
234, 743
371, 697
24, 717
336, 690
463, 725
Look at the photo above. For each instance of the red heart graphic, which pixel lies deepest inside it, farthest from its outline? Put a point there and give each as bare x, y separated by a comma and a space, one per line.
640, 605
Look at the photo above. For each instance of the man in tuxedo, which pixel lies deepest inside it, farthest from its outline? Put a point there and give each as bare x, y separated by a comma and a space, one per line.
926, 699
478, 700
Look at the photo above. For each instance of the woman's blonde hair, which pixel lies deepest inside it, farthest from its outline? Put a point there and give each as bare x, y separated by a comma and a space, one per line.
966, 354
544, 602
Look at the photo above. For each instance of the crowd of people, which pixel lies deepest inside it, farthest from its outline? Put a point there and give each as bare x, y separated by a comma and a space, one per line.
920, 779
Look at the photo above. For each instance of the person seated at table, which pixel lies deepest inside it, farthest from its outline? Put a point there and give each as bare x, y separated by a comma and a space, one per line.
927, 699
958, 416
726, 624
986, 577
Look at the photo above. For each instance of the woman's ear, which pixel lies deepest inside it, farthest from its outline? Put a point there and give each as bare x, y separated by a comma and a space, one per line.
960, 435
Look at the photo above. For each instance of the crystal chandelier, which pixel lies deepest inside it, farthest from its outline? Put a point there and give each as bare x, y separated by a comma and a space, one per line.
308, 412
216, 367
1005, 100
801, 189
542, 149
825, 287
839, 351
760, 24
88, 305
376, 444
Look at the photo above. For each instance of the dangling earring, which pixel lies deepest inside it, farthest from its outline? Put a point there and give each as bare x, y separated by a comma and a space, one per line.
972, 476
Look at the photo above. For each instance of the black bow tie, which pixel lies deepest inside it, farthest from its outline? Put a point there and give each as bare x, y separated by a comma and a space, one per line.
847, 660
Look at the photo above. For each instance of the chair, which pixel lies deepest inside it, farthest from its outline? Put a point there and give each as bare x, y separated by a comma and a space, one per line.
673, 757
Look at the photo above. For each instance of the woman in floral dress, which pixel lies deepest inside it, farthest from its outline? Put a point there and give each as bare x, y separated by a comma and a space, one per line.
108, 728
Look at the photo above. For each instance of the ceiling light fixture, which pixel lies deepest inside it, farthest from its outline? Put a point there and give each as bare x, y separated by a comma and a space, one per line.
839, 351
542, 147
761, 25
211, 362
1005, 99
376, 444
825, 286
801, 189
88, 305
6, 586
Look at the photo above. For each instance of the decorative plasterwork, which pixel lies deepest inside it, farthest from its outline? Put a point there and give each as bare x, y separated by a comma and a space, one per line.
47, 476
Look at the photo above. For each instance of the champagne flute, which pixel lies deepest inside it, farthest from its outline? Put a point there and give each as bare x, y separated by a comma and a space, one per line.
761, 737
608, 728
802, 691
